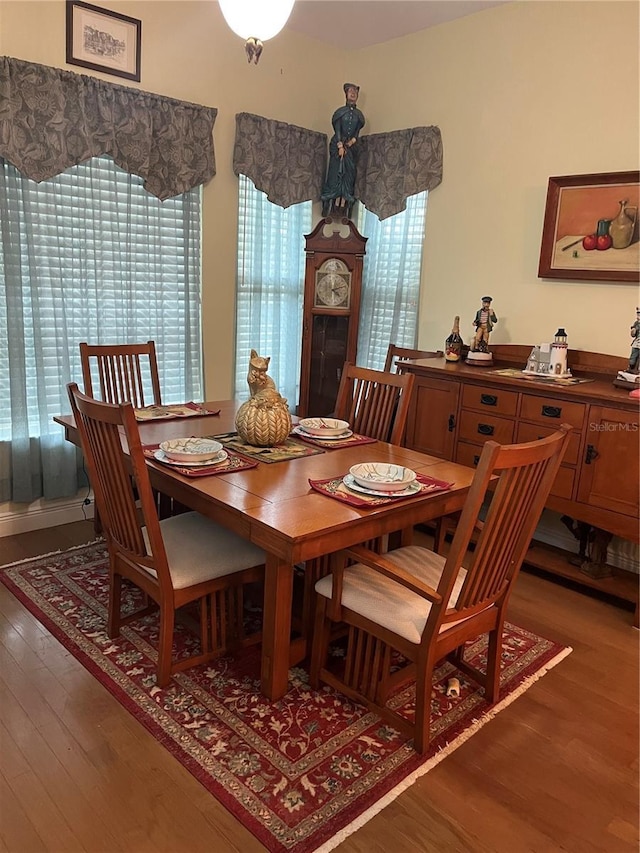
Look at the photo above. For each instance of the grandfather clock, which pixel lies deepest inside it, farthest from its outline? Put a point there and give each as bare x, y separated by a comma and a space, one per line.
332, 288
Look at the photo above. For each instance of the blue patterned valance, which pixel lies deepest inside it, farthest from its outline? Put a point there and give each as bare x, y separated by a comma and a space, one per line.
52, 119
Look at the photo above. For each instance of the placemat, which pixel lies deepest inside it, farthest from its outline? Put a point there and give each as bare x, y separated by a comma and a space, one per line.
233, 462
290, 449
163, 413
335, 488
332, 444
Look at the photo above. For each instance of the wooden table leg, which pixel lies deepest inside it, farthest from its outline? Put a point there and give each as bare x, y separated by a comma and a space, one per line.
276, 627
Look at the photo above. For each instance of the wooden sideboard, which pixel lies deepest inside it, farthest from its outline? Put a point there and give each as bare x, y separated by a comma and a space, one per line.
456, 407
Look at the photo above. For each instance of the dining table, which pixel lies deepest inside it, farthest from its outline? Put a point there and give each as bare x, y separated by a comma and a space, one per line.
274, 506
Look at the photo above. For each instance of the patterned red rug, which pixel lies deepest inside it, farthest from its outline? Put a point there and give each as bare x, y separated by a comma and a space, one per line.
302, 773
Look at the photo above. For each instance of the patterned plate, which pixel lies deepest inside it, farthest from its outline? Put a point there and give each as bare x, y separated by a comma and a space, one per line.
161, 456
351, 484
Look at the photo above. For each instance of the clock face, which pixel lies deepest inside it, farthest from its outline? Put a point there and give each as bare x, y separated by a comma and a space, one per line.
333, 285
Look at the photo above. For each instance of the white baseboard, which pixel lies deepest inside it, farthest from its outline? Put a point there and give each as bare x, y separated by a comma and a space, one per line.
40, 514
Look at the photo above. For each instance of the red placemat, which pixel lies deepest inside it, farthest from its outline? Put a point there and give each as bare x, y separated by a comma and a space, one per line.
163, 413
334, 487
233, 462
332, 444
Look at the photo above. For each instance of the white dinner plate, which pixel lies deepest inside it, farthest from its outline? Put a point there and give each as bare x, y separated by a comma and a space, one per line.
351, 484
161, 456
302, 431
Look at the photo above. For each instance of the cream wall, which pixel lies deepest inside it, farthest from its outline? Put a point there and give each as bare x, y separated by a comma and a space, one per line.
520, 92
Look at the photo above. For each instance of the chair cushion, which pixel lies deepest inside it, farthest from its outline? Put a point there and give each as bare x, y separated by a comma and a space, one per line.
199, 549
386, 602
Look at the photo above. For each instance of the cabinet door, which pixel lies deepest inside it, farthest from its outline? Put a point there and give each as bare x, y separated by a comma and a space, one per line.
431, 426
610, 475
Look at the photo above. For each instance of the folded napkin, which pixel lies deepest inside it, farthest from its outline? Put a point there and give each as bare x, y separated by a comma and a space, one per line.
332, 443
233, 462
334, 487
161, 413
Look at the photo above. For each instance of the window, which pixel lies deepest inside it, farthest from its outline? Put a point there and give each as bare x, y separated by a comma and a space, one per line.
270, 288
271, 277
391, 280
87, 256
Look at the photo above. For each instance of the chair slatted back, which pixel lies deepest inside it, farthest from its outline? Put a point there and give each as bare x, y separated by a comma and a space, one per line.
396, 354
123, 371
113, 476
525, 475
375, 403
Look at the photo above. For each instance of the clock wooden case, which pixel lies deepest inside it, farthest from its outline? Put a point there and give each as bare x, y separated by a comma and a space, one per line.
332, 288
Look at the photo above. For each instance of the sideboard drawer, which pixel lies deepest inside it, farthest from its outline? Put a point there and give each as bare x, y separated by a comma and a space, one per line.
532, 432
493, 400
563, 483
475, 426
468, 454
552, 411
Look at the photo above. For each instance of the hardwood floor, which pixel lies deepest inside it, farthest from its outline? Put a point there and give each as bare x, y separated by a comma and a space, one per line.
555, 771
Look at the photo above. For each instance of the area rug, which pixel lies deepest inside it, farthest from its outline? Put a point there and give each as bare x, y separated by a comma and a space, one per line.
301, 773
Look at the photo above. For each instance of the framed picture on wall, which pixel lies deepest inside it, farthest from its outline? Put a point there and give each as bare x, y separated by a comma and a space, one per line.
103, 40
590, 229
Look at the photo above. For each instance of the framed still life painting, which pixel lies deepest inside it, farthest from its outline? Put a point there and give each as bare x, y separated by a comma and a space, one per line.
590, 228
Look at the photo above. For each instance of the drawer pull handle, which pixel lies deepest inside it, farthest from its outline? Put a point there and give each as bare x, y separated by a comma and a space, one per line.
489, 399
590, 455
452, 423
485, 429
476, 459
551, 411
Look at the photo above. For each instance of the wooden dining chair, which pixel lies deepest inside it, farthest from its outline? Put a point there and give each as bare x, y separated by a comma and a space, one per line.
123, 372
182, 560
427, 606
375, 403
396, 355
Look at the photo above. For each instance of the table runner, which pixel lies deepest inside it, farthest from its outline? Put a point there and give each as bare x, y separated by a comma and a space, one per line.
233, 462
289, 449
334, 487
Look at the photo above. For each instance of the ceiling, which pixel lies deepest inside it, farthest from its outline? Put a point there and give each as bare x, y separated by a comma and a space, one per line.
359, 23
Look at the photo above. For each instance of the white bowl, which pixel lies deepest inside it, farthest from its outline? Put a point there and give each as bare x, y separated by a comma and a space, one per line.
191, 449
382, 476
323, 426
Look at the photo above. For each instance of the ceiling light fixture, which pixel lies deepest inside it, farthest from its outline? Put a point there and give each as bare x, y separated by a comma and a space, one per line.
256, 21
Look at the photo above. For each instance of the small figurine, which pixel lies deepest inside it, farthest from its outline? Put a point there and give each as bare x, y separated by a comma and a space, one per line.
338, 190
453, 688
559, 350
634, 357
484, 323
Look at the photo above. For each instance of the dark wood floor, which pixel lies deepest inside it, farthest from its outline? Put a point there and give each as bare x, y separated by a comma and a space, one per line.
555, 771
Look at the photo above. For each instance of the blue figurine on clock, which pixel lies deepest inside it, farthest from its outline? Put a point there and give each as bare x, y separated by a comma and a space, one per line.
338, 190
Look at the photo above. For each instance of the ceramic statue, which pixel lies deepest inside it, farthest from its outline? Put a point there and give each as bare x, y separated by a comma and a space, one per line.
264, 419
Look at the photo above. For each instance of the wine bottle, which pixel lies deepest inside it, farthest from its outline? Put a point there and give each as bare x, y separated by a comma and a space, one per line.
453, 344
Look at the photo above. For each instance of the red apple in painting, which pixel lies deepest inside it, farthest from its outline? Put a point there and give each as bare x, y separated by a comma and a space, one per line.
603, 242
590, 242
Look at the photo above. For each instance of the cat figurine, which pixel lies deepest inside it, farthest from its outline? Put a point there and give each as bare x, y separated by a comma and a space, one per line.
257, 378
